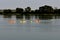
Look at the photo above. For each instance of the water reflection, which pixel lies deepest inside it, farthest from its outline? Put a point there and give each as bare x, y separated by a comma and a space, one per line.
23, 21
29, 24
29, 27
11, 21
6, 16
37, 21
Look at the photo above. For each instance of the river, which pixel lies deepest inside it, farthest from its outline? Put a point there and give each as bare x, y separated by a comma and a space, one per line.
29, 29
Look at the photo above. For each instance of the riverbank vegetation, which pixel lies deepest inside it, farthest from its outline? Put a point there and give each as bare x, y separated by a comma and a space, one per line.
43, 11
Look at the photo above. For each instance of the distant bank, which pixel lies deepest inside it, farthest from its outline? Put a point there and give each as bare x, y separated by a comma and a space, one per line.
42, 11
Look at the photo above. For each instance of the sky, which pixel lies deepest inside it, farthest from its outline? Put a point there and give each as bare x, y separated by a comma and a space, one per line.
34, 4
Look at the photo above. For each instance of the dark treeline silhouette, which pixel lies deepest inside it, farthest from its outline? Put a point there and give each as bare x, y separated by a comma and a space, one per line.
42, 11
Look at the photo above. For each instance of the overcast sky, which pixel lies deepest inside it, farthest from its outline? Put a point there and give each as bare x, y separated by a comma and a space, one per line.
34, 4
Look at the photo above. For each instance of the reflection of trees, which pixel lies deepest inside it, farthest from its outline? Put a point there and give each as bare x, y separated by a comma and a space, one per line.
27, 17
19, 16
7, 16
36, 17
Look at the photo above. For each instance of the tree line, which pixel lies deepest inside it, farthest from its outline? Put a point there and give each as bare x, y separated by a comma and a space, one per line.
43, 10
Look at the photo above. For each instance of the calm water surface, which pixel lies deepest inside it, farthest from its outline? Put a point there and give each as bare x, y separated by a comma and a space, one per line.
29, 28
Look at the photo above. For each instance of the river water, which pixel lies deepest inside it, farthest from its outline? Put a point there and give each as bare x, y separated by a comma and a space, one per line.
29, 29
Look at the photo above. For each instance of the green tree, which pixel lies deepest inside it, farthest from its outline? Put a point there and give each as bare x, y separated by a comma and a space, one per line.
28, 9
19, 10
7, 11
46, 9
